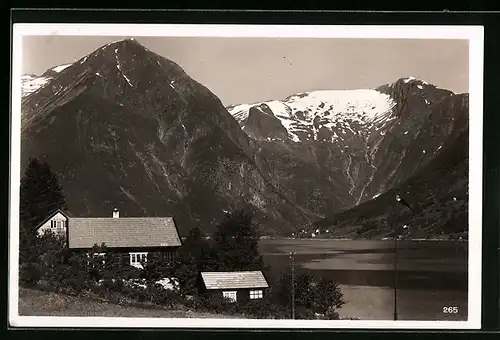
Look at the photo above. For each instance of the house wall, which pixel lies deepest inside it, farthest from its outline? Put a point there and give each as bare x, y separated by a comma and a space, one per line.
60, 218
242, 295
124, 255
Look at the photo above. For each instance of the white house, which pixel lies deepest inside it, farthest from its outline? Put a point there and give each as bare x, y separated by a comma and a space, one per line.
57, 222
130, 237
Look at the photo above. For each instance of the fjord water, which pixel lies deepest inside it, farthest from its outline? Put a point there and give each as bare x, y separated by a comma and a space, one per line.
432, 275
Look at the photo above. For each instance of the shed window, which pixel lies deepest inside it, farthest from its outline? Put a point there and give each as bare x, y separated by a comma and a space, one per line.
231, 295
136, 259
256, 294
169, 258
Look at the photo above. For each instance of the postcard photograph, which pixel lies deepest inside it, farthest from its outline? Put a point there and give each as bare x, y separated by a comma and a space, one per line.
232, 176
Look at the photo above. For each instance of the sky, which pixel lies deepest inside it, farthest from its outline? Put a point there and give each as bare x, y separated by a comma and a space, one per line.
248, 70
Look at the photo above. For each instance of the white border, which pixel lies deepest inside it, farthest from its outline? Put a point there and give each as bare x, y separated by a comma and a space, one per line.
475, 36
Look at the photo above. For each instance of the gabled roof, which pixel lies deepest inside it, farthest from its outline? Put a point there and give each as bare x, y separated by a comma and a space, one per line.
66, 214
122, 232
234, 280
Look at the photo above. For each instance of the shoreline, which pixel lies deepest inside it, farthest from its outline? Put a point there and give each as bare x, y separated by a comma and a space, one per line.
359, 239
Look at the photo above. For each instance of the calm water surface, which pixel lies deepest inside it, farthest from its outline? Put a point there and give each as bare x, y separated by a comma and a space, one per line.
431, 274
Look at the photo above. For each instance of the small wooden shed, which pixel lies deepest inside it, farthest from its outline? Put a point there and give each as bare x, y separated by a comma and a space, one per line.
236, 286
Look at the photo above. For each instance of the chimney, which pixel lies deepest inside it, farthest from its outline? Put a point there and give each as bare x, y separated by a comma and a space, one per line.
116, 213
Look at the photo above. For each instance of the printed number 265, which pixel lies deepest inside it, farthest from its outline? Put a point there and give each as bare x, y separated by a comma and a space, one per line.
450, 310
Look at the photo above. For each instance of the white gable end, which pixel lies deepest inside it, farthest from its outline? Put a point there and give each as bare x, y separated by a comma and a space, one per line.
57, 224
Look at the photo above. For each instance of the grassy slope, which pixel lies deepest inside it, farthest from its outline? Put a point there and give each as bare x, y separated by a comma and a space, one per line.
38, 303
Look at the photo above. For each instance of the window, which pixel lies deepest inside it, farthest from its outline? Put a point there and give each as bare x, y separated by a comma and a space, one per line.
256, 294
58, 226
230, 295
136, 259
169, 258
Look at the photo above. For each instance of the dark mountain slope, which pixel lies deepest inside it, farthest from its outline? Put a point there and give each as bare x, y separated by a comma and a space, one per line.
437, 193
125, 127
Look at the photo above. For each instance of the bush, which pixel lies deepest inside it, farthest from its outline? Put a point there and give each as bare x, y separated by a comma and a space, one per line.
217, 304
263, 309
313, 296
163, 297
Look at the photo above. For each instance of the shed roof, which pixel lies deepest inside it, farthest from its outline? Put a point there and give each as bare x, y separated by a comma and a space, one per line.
123, 232
234, 280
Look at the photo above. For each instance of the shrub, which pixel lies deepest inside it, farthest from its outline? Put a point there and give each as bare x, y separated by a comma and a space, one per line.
40, 194
218, 304
312, 296
263, 309
161, 296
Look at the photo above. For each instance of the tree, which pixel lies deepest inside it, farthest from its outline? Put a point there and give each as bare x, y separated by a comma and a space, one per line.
194, 256
58, 268
40, 194
237, 243
312, 295
187, 271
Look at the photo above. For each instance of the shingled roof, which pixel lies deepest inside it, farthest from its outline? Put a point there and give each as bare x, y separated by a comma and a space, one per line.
234, 280
125, 232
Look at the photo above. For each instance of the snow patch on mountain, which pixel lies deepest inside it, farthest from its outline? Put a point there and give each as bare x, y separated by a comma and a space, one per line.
30, 84
118, 66
61, 68
408, 79
306, 114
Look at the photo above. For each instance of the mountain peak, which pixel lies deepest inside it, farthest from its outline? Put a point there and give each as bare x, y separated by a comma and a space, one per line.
127, 42
421, 84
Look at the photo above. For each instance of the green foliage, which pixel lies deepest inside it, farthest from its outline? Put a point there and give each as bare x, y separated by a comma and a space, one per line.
256, 309
60, 269
187, 271
162, 297
263, 309
237, 243
72, 275
40, 194
218, 304
312, 296
235, 247
30, 270
155, 267
195, 255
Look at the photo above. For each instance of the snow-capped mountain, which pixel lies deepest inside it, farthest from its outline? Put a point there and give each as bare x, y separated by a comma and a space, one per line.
327, 115
340, 148
31, 83
126, 127
305, 115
